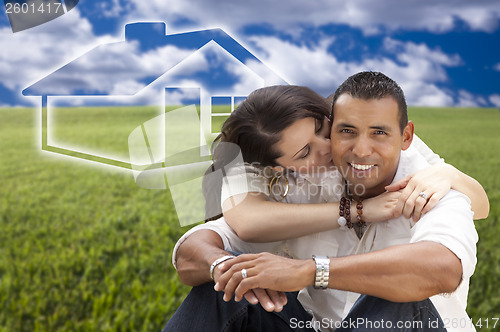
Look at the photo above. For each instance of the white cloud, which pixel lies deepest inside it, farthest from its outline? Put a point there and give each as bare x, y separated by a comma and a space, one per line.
370, 16
495, 100
119, 67
418, 70
32, 54
497, 67
115, 9
467, 99
420, 93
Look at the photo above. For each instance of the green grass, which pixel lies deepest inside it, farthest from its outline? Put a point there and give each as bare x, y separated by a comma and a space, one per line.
469, 139
83, 248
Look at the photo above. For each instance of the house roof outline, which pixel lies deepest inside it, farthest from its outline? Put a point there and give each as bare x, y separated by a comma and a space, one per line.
194, 40
134, 32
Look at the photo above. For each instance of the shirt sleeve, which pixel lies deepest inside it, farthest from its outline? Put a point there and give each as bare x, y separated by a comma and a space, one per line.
230, 240
219, 226
243, 179
450, 223
429, 155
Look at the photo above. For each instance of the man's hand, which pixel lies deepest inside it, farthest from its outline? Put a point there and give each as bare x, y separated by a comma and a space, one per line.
265, 271
270, 300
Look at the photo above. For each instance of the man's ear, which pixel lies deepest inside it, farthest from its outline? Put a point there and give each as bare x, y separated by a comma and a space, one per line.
407, 135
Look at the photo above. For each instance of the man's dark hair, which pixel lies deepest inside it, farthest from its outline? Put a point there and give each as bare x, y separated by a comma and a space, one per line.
368, 85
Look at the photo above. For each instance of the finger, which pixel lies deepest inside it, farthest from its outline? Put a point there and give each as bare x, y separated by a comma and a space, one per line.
419, 205
226, 276
226, 265
284, 299
400, 184
252, 297
244, 285
277, 299
403, 198
222, 280
231, 285
410, 204
433, 200
265, 300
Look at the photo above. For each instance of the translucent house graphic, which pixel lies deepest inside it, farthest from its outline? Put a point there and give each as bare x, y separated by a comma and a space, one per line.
153, 102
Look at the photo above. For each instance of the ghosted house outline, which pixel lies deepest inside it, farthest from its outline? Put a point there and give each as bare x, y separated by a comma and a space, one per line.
48, 87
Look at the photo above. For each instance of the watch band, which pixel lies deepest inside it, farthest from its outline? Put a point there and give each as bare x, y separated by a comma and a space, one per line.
322, 272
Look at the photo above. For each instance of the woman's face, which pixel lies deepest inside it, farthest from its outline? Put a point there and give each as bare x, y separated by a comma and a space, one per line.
305, 146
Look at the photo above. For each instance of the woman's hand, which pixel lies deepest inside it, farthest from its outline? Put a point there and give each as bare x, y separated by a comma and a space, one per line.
434, 182
380, 208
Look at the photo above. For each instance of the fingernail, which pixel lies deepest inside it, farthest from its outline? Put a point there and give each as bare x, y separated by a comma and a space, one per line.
216, 287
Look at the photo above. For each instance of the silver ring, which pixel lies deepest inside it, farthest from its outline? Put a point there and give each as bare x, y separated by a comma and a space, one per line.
244, 273
423, 195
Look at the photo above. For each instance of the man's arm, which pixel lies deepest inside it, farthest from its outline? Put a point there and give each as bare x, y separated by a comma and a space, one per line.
198, 251
196, 254
437, 260
404, 273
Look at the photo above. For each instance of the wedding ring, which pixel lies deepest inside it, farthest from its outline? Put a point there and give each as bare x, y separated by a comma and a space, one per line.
244, 273
423, 195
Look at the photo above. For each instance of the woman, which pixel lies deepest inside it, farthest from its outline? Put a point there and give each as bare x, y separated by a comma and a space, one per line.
283, 133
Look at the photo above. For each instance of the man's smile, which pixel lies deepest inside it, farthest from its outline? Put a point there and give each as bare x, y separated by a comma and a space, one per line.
361, 167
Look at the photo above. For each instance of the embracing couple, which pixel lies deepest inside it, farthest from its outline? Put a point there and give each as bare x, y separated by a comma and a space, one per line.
338, 218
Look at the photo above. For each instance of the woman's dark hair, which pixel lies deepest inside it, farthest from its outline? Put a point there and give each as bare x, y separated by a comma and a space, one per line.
373, 85
255, 127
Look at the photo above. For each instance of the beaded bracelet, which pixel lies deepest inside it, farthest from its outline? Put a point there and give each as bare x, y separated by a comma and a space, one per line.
344, 219
359, 209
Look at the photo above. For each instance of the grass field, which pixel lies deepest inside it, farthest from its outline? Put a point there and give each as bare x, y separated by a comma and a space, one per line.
83, 248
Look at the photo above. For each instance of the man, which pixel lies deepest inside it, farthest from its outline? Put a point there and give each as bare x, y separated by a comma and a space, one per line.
397, 260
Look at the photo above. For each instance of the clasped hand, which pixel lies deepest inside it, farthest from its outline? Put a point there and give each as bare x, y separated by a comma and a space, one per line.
268, 276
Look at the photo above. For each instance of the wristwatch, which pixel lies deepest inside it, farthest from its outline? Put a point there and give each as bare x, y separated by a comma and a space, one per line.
322, 272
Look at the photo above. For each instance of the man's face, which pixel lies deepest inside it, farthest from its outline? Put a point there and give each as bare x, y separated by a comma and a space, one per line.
367, 142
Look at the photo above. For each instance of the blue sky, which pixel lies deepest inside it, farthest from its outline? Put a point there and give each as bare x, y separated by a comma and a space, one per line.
443, 53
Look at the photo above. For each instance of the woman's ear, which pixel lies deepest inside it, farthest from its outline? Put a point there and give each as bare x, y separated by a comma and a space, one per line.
278, 168
407, 135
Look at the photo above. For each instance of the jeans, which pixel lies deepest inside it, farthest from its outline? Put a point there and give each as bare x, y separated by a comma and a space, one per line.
374, 314
205, 310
